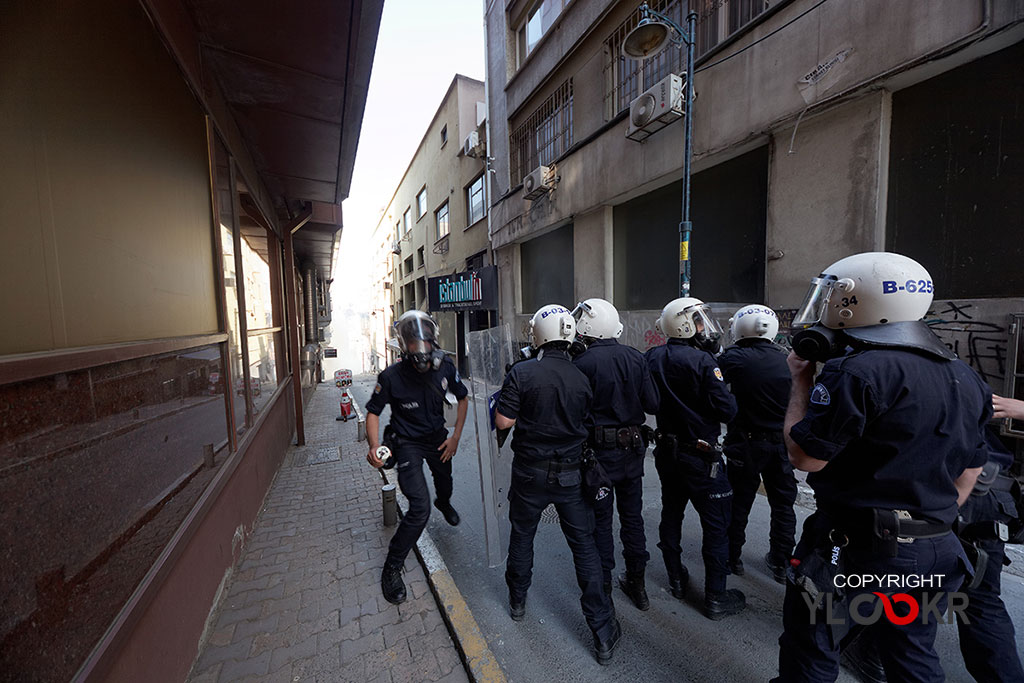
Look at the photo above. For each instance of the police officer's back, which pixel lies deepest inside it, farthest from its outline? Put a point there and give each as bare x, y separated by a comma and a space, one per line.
755, 369
694, 403
891, 433
623, 393
548, 400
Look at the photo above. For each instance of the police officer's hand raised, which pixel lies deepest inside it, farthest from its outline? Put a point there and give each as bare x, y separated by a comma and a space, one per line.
800, 368
448, 448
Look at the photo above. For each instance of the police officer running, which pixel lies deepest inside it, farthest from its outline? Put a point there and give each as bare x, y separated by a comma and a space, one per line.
623, 391
694, 403
892, 435
415, 389
757, 374
548, 401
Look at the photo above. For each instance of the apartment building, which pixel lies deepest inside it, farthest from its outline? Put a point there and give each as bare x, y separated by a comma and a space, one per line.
438, 215
820, 129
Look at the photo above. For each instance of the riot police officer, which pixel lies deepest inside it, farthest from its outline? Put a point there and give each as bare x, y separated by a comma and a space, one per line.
548, 401
756, 371
415, 388
891, 432
623, 391
694, 403
987, 520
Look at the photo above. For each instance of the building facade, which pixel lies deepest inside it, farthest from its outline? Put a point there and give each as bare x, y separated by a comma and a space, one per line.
171, 181
820, 129
438, 213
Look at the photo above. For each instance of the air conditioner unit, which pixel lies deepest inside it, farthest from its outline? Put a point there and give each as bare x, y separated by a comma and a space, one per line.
396, 247
656, 108
537, 183
473, 144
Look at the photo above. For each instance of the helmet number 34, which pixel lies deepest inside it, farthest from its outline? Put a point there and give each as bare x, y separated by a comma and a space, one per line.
911, 286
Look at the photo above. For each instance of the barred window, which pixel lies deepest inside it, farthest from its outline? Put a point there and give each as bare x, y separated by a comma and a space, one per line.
717, 20
544, 136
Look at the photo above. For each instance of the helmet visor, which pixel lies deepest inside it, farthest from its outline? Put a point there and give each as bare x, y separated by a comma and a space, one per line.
413, 332
814, 303
581, 308
706, 327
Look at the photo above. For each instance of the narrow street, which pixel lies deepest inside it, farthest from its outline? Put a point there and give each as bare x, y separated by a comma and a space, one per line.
672, 641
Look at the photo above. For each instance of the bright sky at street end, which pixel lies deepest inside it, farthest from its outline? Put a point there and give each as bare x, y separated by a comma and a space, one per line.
421, 46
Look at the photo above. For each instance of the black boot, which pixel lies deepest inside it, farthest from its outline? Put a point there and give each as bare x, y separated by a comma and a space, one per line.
861, 656
777, 567
391, 583
516, 608
632, 584
605, 648
736, 567
723, 604
677, 582
450, 515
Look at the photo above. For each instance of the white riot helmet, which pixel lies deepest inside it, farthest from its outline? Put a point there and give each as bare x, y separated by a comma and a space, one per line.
689, 318
754, 321
597, 319
552, 323
874, 288
876, 298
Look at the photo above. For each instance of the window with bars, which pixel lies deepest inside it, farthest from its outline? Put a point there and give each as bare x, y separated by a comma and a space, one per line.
544, 136
717, 20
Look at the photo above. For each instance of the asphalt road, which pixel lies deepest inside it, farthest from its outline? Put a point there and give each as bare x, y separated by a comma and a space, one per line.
672, 641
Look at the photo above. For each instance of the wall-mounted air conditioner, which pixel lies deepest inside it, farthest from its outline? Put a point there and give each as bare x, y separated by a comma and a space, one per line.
656, 108
537, 183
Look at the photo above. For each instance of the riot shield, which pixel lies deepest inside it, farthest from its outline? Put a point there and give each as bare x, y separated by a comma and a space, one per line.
490, 351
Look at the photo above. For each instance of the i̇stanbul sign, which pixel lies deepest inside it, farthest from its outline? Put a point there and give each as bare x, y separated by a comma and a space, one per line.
474, 290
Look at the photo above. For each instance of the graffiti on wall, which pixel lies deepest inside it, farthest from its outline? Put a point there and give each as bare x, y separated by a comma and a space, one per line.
977, 331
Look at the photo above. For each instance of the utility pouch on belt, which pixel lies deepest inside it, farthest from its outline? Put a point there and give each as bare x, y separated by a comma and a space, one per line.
816, 573
667, 443
596, 484
885, 539
648, 435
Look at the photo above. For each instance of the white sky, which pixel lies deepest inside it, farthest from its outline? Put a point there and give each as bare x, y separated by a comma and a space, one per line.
421, 46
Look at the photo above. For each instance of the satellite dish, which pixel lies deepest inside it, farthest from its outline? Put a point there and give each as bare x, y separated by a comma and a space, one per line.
646, 40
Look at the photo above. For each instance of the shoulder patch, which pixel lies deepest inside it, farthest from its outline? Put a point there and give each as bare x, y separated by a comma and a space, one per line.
458, 378
820, 395
444, 383
718, 374
377, 388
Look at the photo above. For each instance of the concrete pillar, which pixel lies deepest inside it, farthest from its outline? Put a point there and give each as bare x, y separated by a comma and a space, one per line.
592, 254
510, 296
826, 193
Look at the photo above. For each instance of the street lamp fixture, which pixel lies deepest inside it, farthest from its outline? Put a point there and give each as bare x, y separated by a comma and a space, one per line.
652, 35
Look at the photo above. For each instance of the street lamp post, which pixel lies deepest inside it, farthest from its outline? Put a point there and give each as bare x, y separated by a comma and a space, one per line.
653, 34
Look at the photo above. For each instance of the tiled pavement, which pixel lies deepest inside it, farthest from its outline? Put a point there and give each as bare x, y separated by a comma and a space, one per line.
304, 603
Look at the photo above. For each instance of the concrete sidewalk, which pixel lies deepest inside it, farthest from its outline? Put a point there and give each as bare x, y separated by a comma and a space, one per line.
304, 603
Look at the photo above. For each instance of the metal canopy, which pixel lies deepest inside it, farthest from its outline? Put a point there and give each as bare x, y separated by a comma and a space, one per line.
295, 77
